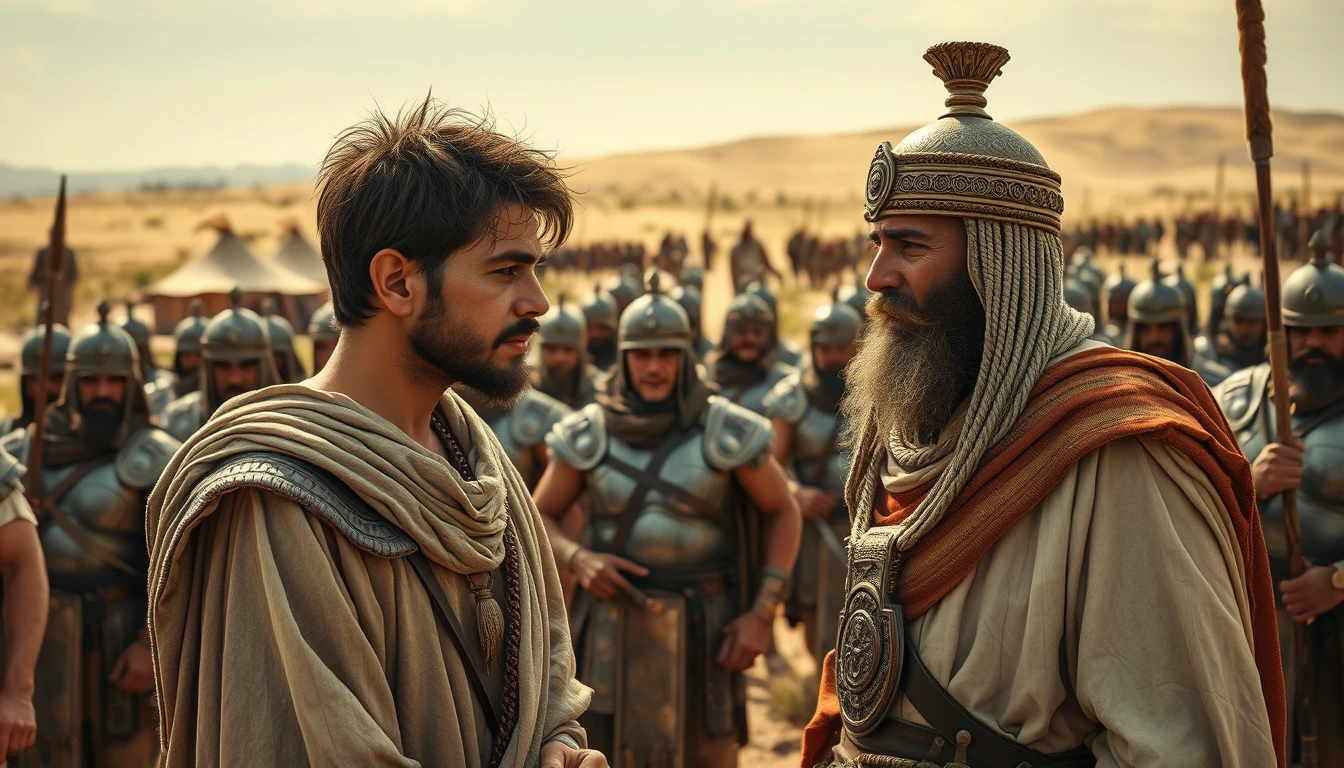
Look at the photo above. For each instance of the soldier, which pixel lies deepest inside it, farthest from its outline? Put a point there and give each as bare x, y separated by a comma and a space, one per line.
1180, 282
744, 365
600, 316
187, 351
1115, 292
804, 410
236, 358
688, 296
786, 351
1313, 317
25, 609
564, 372
1241, 339
1219, 289
670, 613
748, 262
30, 360
324, 333
159, 383
287, 366
1159, 326
102, 456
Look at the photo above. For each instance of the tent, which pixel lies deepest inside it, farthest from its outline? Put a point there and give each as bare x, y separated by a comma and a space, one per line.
230, 263
298, 256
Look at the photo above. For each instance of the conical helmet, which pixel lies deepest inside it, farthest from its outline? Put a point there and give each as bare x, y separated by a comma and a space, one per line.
747, 307
1221, 287
600, 308
835, 323
622, 290
1116, 287
322, 325
693, 276
102, 348
1180, 282
236, 334
563, 326
30, 354
187, 334
1156, 300
1245, 302
282, 343
655, 321
762, 290
1313, 296
140, 332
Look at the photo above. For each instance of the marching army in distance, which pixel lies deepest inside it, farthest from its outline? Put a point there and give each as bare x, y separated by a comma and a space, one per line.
1023, 505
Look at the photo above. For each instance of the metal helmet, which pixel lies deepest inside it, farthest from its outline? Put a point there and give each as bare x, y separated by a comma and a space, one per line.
622, 290
282, 343
1084, 265
1180, 282
856, 295
1157, 300
1245, 302
762, 290
30, 354
187, 334
1313, 296
322, 325
835, 323
140, 332
1220, 288
655, 321
688, 296
693, 276
1079, 296
1116, 287
600, 308
563, 326
104, 349
236, 334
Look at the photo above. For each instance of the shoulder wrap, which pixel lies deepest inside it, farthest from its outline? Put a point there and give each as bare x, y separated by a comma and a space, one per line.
144, 457
734, 436
787, 400
534, 416
317, 491
1241, 395
580, 439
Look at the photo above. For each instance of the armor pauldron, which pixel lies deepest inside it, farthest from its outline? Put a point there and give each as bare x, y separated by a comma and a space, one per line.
11, 474
870, 644
533, 417
184, 416
580, 439
15, 443
787, 400
143, 458
315, 490
734, 436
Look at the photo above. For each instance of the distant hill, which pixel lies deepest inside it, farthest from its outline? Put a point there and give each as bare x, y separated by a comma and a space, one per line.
23, 182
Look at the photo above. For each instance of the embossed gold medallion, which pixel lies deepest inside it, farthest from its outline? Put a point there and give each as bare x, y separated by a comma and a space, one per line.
870, 645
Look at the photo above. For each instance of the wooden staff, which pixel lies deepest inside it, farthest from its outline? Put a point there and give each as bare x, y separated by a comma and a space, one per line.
1255, 87
55, 265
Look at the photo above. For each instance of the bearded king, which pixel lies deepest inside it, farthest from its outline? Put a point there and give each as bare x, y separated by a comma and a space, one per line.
1055, 557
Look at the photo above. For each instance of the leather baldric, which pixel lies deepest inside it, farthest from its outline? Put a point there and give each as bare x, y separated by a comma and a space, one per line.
647, 480
51, 505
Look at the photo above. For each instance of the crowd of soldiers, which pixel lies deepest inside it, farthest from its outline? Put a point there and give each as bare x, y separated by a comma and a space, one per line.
649, 507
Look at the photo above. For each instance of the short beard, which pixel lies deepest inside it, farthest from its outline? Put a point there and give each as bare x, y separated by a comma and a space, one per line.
1315, 386
101, 425
909, 381
449, 346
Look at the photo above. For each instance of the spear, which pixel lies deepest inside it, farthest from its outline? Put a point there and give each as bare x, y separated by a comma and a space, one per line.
55, 264
1255, 88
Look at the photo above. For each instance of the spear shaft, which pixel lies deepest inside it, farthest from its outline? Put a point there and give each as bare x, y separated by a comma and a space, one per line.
55, 266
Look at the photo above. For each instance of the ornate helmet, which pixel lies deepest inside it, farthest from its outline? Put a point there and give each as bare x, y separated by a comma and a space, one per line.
600, 308
30, 354
1180, 282
688, 296
1313, 296
563, 326
236, 334
282, 343
747, 307
1118, 286
835, 323
693, 276
140, 332
322, 325
1079, 296
187, 334
655, 321
104, 349
1245, 302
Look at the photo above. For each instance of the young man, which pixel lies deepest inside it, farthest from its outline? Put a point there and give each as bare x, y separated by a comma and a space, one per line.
349, 571
1313, 316
671, 611
744, 365
1240, 339
1056, 556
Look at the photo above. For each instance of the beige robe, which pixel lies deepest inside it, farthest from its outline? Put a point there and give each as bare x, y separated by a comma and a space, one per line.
278, 642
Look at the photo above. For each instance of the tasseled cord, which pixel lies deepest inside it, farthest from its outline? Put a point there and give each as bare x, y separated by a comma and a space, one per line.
489, 622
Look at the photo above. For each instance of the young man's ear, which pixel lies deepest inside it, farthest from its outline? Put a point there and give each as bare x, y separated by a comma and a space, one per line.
397, 282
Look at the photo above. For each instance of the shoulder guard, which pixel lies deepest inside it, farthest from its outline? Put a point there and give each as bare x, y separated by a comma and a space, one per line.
15, 443
1241, 394
580, 439
734, 436
144, 456
534, 416
11, 474
787, 400
182, 417
317, 491
1211, 371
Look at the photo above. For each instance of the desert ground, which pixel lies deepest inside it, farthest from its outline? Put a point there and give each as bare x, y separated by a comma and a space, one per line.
1116, 163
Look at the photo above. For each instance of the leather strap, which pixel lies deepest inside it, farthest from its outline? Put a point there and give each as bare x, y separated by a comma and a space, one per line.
649, 481
987, 746
646, 480
50, 506
455, 632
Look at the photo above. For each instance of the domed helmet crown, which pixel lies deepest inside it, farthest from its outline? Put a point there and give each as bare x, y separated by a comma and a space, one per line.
1313, 296
600, 308
655, 321
563, 326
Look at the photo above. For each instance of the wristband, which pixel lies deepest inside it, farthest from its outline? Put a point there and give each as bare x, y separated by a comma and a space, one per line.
566, 555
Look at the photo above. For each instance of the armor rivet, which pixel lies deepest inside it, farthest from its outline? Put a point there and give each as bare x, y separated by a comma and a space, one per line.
584, 443
730, 444
1313, 294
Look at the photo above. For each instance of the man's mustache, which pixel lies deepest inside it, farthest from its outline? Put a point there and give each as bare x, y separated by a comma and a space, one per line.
1316, 356
526, 326
891, 304
102, 404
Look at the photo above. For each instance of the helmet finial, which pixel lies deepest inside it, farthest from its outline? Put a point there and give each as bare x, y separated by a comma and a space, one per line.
654, 280
197, 307
1157, 269
1320, 248
104, 309
267, 306
236, 298
966, 70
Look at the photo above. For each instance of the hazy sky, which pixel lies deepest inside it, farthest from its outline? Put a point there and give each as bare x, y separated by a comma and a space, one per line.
125, 84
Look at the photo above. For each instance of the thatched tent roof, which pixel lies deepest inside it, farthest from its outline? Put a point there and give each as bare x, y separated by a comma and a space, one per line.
297, 255
230, 263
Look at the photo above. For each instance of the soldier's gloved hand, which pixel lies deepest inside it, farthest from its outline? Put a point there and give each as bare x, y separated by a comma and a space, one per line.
18, 723
1278, 468
814, 502
556, 754
747, 637
1310, 594
600, 572
134, 671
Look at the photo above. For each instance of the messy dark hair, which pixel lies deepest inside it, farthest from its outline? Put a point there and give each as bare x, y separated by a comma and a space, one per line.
430, 182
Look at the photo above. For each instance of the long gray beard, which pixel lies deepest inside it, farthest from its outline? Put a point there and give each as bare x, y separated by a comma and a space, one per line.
904, 381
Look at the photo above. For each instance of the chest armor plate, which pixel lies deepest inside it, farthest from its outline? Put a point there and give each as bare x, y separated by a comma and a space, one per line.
817, 462
1320, 499
109, 513
668, 531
